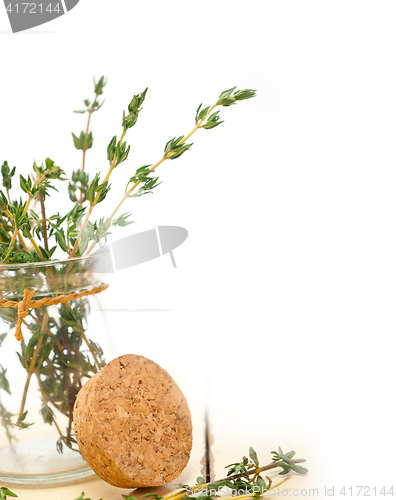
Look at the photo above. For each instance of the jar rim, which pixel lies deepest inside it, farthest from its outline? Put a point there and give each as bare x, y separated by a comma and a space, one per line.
38, 276
20, 265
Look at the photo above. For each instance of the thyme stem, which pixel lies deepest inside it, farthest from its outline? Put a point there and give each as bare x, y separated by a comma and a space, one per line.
47, 331
44, 221
252, 495
31, 367
46, 403
90, 111
22, 241
273, 465
36, 248
19, 234
38, 181
91, 350
92, 205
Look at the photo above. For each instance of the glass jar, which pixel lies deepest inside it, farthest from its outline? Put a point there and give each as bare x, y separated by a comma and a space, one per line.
40, 376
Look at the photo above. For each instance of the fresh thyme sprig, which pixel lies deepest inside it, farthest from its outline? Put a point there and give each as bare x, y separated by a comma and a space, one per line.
117, 152
17, 217
5, 492
285, 461
238, 481
80, 178
238, 474
7, 175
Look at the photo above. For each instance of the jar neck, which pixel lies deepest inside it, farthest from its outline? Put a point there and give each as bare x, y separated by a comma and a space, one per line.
47, 278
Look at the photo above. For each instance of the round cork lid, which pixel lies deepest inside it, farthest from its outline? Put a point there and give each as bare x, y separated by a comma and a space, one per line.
132, 424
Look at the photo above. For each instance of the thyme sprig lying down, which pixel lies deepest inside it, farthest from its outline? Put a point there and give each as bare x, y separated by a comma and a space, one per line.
238, 482
30, 235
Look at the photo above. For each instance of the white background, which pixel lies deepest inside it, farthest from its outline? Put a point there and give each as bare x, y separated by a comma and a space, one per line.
285, 289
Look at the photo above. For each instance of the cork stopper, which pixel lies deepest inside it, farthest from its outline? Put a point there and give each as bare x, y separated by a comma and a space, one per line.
132, 424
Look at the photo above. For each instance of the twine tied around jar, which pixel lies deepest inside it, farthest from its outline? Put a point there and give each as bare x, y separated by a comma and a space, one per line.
27, 303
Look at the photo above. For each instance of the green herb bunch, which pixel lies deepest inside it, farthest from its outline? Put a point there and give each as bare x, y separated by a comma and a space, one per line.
58, 352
